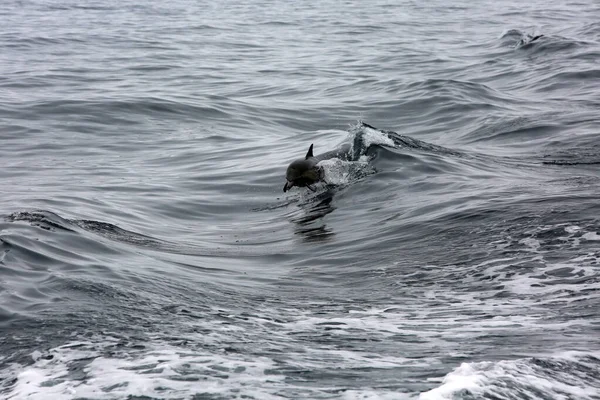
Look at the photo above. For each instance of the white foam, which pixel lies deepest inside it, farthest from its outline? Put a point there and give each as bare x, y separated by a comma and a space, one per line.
531, 243
373, 395
463, 378
45, 378
175, 373
518, 378
373, 136
36, 355
572, 229
339, 172
591, 236
167, 373
336, 171
163, 371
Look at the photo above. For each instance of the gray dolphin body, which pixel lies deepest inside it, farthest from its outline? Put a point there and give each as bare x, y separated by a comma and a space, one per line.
305, 172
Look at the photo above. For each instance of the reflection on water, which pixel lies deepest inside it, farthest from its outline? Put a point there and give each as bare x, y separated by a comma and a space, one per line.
310, 224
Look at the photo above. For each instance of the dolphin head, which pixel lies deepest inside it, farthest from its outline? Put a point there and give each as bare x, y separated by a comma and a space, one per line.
303, 172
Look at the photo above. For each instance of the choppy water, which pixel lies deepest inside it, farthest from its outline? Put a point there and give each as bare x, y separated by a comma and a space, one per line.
147, 250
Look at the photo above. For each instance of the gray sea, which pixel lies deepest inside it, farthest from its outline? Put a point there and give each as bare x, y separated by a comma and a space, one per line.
148, 251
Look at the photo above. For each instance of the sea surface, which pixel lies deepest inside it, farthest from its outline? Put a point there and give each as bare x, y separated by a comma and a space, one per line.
147, 250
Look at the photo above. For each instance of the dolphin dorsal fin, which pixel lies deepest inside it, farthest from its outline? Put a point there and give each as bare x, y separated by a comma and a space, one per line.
309, 154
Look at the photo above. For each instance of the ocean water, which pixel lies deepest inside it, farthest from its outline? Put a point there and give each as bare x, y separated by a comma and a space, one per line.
147, 250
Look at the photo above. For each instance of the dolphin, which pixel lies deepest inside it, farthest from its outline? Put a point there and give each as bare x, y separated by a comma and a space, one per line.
305, 172
528, 39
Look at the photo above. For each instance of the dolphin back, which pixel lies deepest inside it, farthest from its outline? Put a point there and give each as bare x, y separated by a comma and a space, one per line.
343, 153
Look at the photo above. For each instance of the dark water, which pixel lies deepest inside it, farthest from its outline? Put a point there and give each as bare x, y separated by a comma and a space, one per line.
147, 250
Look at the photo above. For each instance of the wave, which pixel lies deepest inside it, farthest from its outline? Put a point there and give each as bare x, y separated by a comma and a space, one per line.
50, 221
522, 40
112, 107
572, 375
352, 160
372, 152
365, 141
574, 152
